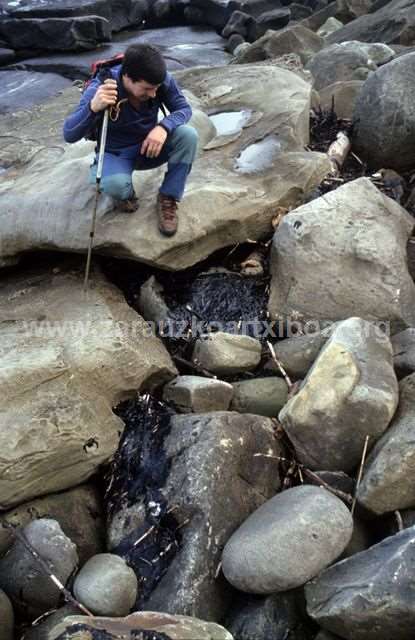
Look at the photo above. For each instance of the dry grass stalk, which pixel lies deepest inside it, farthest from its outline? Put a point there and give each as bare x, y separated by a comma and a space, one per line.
279, 365
359, 477
44, 566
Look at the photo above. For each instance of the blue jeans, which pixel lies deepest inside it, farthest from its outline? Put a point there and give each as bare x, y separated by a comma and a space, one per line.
178, 151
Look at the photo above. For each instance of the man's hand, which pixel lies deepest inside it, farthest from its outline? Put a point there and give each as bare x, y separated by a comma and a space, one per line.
105, 96
153, 143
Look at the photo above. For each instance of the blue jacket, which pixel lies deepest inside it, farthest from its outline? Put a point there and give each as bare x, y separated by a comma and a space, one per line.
132, 125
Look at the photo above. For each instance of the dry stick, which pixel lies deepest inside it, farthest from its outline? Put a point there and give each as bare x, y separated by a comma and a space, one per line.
359, 477
144, 536
43, 564
194, 366
279, 365
399, 520
313, 476
337, 492
337, 152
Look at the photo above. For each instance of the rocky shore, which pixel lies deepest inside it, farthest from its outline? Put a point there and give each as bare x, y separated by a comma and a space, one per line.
217, 441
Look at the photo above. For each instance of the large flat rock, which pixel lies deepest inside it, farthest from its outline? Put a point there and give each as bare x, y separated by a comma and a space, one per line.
182, 47
66, 360
236, 183
23, 89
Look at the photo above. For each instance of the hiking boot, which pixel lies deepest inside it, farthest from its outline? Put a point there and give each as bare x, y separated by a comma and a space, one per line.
167, 214
128, 206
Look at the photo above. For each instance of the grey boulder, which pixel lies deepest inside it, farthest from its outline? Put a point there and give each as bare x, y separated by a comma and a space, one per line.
221, 466
22, 577
55, 34
368, 596
66, 360
388, 482
350, 392
296, 38
384, 116
331, 259
287, 541
340, 62
392, 23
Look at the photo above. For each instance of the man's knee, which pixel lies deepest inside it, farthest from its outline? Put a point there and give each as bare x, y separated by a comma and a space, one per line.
118, 186
186, 138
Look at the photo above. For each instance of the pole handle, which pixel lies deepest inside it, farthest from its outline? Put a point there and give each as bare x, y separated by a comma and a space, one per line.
102, 142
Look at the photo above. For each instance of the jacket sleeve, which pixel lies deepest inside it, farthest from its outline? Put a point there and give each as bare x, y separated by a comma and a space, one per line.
83, 119
176, 103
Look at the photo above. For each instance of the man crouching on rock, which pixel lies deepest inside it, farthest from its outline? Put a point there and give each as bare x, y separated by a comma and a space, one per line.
135, 139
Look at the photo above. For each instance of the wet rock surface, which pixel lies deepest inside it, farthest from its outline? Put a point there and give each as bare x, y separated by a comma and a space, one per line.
182, 47
22, 90
381, 576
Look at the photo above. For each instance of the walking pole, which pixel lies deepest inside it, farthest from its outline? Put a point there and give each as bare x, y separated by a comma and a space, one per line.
102, 143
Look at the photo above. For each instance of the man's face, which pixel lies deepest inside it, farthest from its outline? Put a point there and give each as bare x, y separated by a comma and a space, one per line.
140, 89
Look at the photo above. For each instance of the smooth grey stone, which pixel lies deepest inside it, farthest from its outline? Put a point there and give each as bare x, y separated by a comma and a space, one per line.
106, 586
141, 624
287, 541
